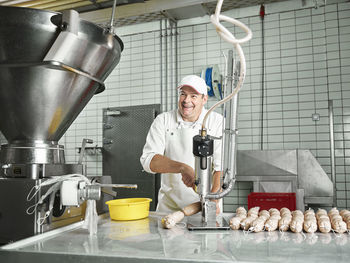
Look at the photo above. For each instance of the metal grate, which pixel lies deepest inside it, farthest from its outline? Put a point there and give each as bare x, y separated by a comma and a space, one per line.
210, 7
139, 19
84, 6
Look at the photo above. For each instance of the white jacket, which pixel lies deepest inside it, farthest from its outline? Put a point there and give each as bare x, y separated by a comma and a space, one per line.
170, 136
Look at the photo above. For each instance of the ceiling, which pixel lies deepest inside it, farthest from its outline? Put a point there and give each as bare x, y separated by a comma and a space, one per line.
60, 5
135, 11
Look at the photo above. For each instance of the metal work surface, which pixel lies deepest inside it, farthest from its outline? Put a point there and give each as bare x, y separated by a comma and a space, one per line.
145, 241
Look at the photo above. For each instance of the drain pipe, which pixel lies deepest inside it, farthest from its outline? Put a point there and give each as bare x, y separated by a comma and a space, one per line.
171, 82
262, 15
161, 61
331, 141
176, 64
166, 64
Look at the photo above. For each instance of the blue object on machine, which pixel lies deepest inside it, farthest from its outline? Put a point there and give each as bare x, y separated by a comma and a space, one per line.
212, 78
208, 81
220, 91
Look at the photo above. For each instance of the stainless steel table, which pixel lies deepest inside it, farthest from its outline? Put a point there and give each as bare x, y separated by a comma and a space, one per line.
145, 241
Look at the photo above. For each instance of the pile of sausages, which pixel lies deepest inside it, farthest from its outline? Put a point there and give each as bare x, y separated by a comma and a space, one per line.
256, 220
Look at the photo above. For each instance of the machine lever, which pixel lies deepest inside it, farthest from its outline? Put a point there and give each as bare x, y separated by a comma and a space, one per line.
5, 167
133, 186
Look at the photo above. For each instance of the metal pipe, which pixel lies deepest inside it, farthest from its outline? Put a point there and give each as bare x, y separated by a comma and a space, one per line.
227, 124
171, 66
223, 193
82, 150
229, 133
161, 62
233, 122
331, 141
225, 92
38, 228
176, 64
130, 186
112, 17
174, 91
262, 82
166, 65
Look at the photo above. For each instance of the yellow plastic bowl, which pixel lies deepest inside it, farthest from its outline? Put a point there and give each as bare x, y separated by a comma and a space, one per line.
129, 208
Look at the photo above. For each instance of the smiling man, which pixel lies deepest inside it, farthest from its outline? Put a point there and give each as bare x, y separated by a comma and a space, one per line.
168, 148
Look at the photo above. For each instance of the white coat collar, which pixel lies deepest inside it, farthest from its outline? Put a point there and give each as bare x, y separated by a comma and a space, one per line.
198, 122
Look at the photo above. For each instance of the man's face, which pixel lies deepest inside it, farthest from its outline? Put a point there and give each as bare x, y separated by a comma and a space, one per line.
191, 103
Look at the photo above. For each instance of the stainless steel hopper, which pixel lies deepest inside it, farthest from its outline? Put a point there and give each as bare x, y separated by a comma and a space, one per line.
41, 97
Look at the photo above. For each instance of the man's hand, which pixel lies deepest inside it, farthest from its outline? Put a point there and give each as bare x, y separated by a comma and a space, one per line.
162, 164
187, 173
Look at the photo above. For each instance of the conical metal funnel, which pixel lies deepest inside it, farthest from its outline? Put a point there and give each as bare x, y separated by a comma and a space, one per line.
40, 97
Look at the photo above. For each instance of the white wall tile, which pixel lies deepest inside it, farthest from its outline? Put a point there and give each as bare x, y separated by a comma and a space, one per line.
303, 71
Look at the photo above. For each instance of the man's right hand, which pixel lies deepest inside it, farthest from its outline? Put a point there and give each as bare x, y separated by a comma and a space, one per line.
188, 177
162, 164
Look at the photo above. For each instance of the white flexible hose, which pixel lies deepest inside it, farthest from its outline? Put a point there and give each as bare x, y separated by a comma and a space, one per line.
227, 36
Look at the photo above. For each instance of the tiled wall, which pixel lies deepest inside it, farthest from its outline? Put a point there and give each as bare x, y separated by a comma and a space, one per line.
307, 63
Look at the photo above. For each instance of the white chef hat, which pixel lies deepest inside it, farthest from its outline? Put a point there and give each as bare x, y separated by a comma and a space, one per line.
195, 82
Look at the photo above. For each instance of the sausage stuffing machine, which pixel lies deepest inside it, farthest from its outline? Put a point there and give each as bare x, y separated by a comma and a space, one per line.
51, 64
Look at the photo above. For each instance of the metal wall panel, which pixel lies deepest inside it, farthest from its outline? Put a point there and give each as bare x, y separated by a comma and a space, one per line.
124, 135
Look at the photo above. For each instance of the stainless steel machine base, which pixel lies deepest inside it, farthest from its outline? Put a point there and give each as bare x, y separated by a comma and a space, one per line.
16, 223
195, 223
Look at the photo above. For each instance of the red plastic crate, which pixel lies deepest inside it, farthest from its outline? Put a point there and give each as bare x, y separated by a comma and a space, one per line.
272, 200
